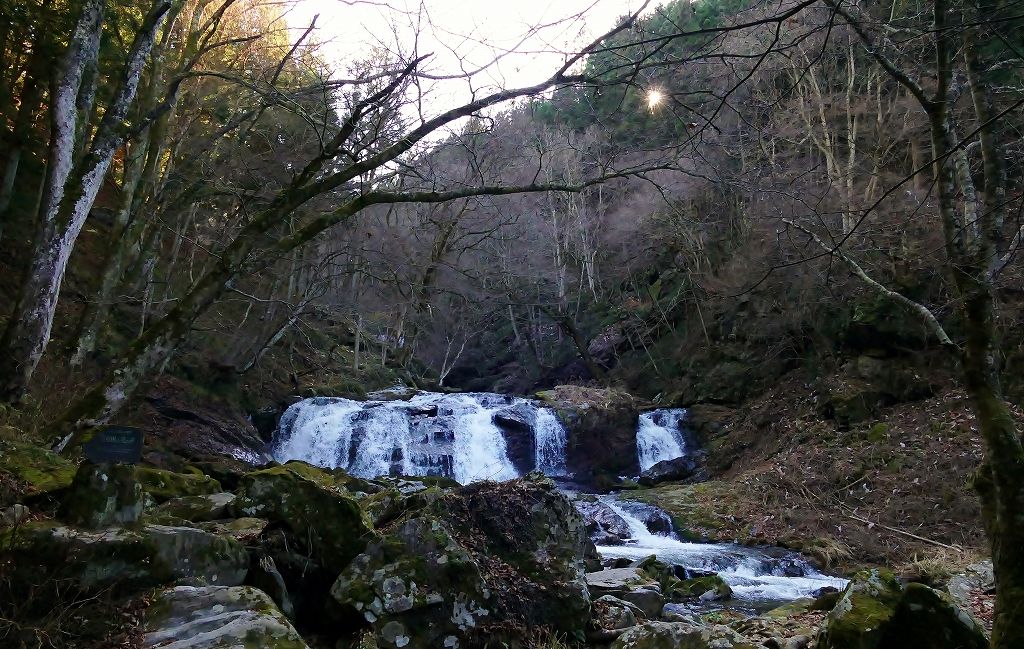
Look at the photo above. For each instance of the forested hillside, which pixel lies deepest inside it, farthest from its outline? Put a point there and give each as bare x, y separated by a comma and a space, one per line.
799, 220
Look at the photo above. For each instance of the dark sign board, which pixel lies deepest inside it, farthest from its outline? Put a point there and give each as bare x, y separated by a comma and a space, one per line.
115, 444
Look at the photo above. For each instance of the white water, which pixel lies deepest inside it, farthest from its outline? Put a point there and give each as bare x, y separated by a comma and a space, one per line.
658, 436
551, 441
452, 435
753, 574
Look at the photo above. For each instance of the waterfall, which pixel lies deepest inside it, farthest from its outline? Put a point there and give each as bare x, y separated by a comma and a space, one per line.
659, 436
551, 442
467, 437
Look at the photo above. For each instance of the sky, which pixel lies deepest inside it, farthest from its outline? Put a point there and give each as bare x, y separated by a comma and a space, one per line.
462, 34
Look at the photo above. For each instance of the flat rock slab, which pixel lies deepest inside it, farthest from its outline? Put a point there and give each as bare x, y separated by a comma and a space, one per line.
617, 579
217, 617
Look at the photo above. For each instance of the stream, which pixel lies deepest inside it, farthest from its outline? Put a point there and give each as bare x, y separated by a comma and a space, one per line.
487, 436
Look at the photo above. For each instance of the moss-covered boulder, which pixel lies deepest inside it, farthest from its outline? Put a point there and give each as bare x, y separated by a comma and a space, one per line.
206, 507
417, 587
707, 588
601, 427
313, 506
28, 470
102, 495
164, 485
125, 558
217, 617
482, 555
877, 612
680, 635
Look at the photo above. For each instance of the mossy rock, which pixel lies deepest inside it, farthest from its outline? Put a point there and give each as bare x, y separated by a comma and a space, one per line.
877, 612
206, 507
217, 617
701, 586
125, 559
35, 470
164, 485
417, 588
311, 503
103, 495
680, 635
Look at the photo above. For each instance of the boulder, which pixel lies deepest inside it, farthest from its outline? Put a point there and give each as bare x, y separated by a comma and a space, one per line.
217, 617
877, 612
164, 485
673, 470
710, 588
27, 470
516, 423
126, 558
206, 507
16, 514
601, 428
632, 584
604, 526
680, 635
102, 495
416, 587
322, 514
612, 613
484, 554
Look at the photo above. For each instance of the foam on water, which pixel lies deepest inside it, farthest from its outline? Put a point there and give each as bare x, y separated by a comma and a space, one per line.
451, 435
753, 574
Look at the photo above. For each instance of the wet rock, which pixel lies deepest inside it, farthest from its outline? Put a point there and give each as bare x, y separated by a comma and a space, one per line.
516, 423
673, 470
877, 612
711, 588
164, 485
680, 635
217, 617
601, 428
313, 505
604, 526
125, 558
206, 507
615, 580
102, 495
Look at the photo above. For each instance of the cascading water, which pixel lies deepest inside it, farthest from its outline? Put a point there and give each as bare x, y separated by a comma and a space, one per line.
659, 436
466, 437
551, 441
755, 575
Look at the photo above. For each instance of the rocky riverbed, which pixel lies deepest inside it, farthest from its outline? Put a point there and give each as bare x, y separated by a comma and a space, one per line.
296, 556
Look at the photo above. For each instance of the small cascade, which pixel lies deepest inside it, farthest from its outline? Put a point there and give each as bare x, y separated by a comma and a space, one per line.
467, 437
659, 436
551, 442
754, 574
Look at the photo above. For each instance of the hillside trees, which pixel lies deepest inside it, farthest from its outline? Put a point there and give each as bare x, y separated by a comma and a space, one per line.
966, 101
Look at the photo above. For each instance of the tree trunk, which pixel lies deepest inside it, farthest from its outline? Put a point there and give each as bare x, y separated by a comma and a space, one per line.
67, 203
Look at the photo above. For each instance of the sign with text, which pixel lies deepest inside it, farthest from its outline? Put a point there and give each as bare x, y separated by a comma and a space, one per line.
115, 444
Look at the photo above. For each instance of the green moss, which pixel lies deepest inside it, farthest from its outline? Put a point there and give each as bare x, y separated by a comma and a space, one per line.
313, 505
164, 485
39, 469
